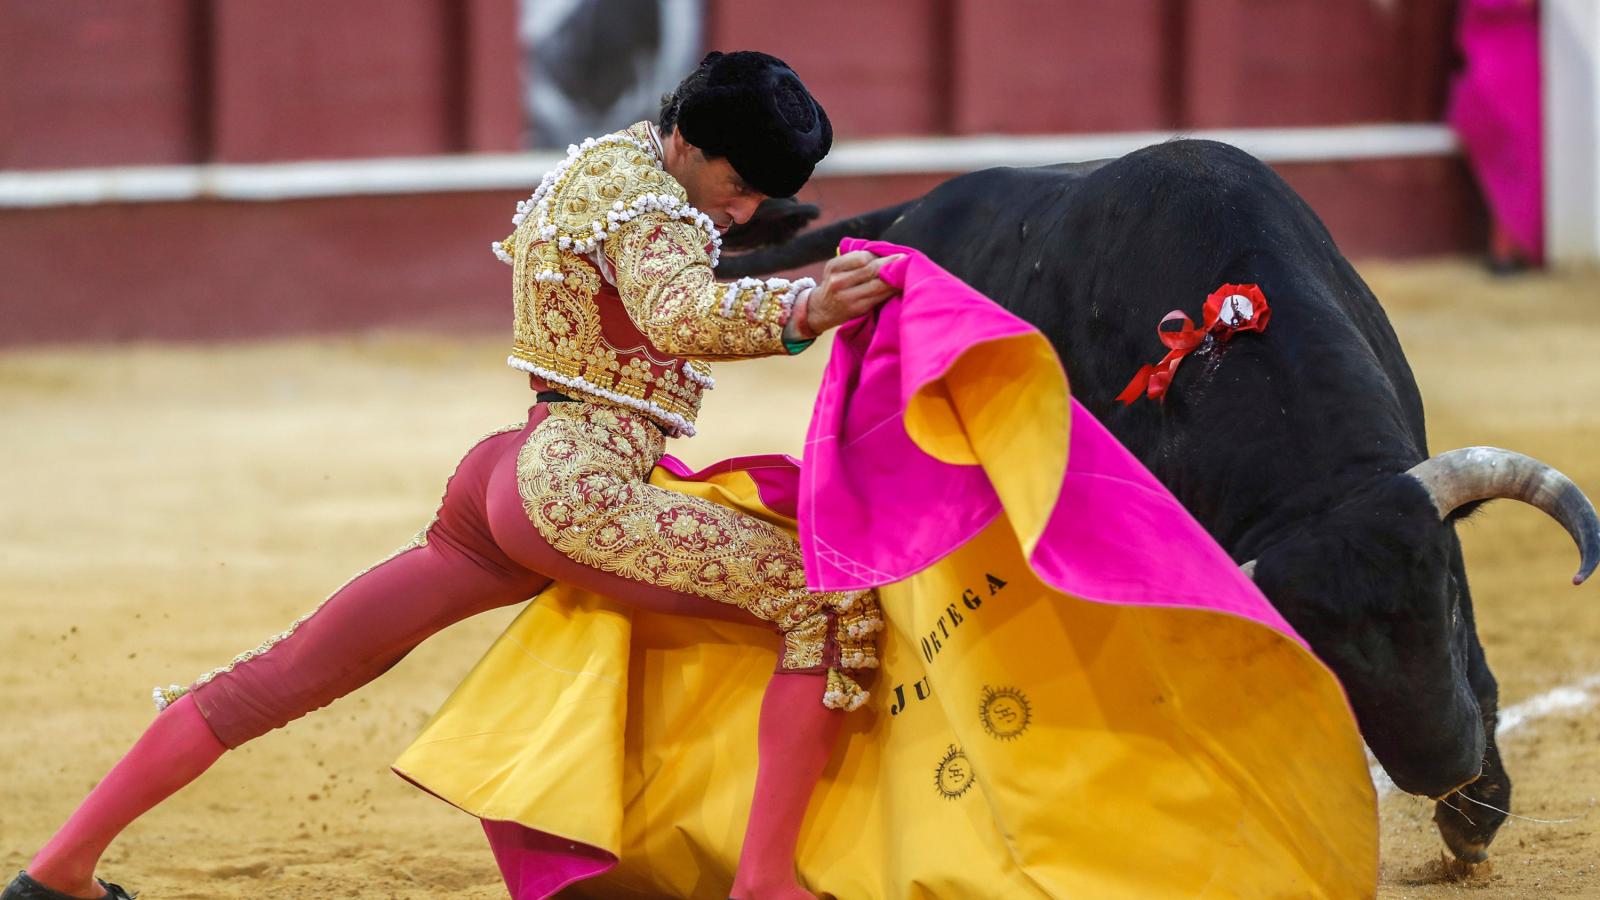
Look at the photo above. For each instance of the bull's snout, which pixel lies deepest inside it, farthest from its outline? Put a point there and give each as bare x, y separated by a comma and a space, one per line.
1437, 768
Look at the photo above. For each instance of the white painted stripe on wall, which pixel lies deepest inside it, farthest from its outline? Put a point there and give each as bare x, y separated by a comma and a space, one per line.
522, 171
1578, 695
276, 181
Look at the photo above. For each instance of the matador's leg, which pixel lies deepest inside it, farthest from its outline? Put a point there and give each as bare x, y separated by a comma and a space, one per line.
448, 572
573, 503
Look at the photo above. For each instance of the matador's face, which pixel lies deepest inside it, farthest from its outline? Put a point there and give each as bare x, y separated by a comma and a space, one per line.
713, 186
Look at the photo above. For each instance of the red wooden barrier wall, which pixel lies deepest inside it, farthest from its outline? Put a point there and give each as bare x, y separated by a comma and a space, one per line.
1062, 66
1304, 62
877, 68
83, 82
86, 82
298, 79
161, 81
90, 83
1045, 66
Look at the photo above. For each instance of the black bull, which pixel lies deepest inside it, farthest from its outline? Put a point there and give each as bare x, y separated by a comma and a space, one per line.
1295, 448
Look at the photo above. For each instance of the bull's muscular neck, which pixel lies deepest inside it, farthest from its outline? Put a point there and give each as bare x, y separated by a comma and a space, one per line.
1259, 441
1255, 436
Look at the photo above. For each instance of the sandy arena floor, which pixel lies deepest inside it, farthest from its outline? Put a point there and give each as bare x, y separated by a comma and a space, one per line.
163, 508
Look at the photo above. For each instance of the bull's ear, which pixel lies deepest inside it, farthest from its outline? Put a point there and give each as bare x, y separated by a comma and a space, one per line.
1306, 578
775, 221
1268, 571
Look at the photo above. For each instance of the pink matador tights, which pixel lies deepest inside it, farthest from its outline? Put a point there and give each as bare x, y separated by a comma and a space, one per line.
481, 552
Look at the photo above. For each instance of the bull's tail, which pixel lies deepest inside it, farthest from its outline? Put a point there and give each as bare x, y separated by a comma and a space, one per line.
810, 246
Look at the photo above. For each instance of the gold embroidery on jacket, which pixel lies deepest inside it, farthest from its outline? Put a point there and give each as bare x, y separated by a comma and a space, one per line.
613, 197
568, 321
664, 277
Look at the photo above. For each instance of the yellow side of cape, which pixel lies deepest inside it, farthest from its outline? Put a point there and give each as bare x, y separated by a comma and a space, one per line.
1020, 742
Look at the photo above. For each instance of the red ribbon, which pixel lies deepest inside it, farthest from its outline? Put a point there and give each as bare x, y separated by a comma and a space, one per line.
1229, 310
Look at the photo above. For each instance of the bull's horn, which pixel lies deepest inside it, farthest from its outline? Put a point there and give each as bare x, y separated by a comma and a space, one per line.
1249, 570
1459, 477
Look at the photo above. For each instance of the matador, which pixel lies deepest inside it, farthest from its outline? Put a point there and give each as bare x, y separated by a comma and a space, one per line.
616, 313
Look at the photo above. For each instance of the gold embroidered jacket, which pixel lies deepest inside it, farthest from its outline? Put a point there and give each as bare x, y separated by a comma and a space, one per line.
613, 289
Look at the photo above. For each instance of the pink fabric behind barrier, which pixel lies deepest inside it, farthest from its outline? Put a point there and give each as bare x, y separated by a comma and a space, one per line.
1494, 108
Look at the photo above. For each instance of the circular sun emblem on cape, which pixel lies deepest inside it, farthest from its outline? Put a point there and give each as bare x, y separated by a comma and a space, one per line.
953, 776
1004, 712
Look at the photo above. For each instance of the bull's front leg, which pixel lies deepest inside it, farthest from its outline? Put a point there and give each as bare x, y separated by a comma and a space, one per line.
1467, 826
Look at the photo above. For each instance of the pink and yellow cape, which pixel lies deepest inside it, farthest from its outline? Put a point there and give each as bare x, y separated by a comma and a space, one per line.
1080, 695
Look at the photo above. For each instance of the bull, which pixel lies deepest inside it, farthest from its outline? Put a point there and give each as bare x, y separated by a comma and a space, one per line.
1302, 451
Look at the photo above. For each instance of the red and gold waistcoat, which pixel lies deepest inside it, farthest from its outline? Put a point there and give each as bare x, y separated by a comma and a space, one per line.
613, 289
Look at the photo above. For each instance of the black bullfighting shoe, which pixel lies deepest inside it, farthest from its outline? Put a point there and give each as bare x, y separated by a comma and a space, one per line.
23, 887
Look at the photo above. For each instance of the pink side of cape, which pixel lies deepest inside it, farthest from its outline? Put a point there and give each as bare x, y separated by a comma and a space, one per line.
874, 508
537, 864
776, 475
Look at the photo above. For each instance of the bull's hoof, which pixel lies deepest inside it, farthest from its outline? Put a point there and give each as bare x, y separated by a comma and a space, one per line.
1467, 838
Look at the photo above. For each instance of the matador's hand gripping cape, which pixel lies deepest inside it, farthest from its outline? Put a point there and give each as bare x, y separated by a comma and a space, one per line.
1080, 694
